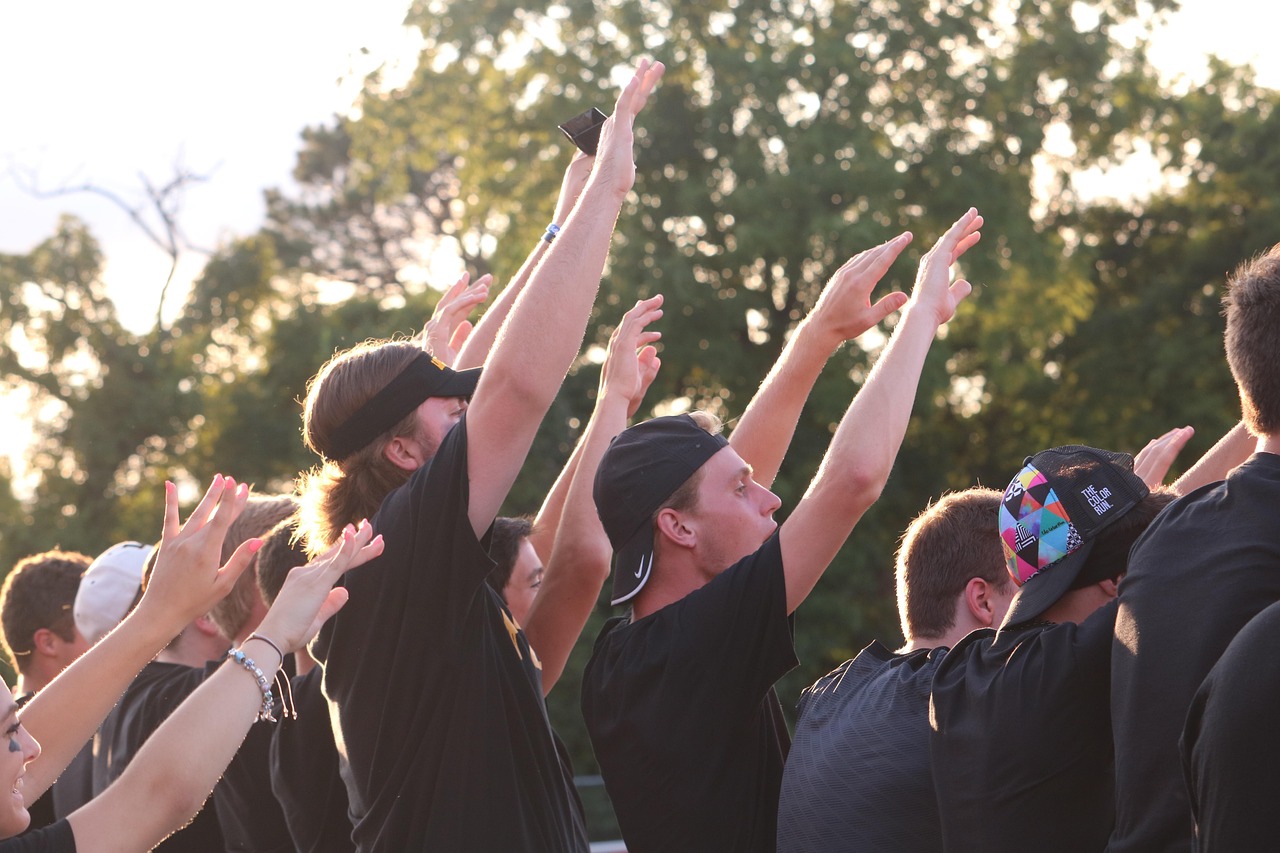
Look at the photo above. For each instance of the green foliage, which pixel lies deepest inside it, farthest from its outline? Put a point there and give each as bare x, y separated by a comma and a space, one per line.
785, 137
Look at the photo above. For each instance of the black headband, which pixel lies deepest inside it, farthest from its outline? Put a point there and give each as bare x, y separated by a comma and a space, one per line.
422, 378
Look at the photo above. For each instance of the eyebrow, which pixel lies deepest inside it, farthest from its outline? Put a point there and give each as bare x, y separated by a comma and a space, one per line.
11, 711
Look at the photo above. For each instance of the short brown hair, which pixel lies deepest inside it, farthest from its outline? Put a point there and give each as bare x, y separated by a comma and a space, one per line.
280, 554
1252, 305
260, 515
953, 541
39, 593
504, 545
336, 494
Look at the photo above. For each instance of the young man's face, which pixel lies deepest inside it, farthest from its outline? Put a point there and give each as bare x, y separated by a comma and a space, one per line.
436, 416
733, 514
524, 582
18, 748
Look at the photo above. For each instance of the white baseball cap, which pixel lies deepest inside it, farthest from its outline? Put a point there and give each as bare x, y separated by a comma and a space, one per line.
108, 587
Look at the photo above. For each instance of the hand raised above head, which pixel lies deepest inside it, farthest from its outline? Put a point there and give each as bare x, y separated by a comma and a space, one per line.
632, 363
1153, 461
934, 288
308, 596
615, 157
187, 579
448, 327
844, 310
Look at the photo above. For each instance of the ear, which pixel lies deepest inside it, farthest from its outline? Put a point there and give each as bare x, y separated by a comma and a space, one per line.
1110, 587
673, 527
979, 599
402, 452
206, 626
45, 642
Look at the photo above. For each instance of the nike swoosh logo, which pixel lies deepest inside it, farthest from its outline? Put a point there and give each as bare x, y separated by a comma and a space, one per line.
644, 565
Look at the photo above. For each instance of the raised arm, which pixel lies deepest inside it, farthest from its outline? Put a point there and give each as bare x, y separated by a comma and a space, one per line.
843, 312
1231, 450
474, 352
542, 336
172, 775
860, 457
186, 582
581, 553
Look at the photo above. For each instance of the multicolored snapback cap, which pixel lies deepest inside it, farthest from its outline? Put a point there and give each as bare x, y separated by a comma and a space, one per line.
1052, 513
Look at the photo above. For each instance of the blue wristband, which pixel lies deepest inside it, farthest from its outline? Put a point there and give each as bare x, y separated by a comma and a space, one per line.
552, 230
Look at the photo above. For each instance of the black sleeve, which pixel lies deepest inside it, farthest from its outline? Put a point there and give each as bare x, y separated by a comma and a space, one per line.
55, 838
736, 629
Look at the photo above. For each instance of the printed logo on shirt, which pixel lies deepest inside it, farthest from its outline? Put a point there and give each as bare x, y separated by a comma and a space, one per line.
514, 631
1099, 500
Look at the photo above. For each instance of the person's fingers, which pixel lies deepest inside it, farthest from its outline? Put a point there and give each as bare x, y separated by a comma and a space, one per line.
887, 304
171, 525
238, 562
208, 503
960, 289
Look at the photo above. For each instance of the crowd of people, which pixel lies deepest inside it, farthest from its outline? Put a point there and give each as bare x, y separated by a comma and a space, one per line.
363, 665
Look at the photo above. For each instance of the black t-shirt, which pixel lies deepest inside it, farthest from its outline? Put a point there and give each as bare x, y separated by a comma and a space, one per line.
55, 838
1231, 746
1021, 738
437, 695
1208, 564
304, 773
74, 787
858, 775
157, 691
251, 818
681, 711
41, 810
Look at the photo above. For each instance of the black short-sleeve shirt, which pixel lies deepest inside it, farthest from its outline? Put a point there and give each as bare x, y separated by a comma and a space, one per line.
858, 776
149, 700
1021, 738
683, 718
304, 773
436, 696
1208, 564
1231, 746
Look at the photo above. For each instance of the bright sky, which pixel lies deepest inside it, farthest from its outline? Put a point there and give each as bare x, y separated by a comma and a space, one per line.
100, 92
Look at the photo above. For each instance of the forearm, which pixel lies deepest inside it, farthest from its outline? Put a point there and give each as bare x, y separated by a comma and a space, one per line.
1230, 450
65, 714
765, 430
480, 341
547, 522
173, 774
580, 559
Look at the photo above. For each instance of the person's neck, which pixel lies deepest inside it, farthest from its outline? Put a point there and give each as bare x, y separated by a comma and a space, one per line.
1269, 444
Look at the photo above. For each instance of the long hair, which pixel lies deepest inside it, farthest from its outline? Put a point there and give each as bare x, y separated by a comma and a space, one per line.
337, 493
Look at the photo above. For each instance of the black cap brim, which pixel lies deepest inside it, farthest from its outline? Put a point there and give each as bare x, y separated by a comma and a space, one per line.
632, 565
1046, 586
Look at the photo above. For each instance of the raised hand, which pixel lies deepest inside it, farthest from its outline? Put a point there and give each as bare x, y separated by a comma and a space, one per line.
1153, 461
448, 327
615, 159
632, 362
934, 288
187, 579
844, 310
575, 178
308, 596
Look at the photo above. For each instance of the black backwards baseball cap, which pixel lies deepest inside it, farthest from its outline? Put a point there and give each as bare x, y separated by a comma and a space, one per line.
422, 378
1052, 514
643, 467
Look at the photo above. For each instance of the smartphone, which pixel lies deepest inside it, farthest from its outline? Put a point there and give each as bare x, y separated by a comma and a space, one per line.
583, 130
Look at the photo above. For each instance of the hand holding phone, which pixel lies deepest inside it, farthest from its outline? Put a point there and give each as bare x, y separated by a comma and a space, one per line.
583, 130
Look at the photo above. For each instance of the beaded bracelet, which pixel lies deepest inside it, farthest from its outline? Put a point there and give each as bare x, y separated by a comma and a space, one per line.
552, 230
268, 700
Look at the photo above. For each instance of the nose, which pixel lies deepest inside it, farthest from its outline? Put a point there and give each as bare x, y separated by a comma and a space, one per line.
770, 502
30, 746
